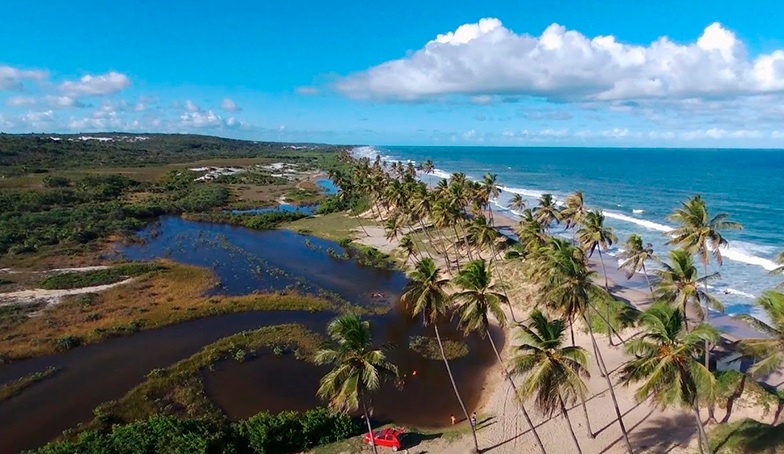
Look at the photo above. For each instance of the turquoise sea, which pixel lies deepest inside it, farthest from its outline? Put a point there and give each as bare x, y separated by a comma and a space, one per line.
638, 188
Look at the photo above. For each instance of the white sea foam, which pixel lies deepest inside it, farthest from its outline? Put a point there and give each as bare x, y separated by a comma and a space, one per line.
441, 174
638, 211
641, 222
525, 192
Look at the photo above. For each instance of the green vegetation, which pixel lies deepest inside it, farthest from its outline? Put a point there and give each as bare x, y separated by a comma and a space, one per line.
172, 295
285, 432
747, 436
179, 390
428, 348
15, 387
261, 221
118, 273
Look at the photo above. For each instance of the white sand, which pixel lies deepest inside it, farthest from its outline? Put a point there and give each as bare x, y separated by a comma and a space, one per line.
51, 296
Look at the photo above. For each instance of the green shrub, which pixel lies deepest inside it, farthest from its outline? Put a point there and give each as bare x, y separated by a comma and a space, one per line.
97, 277
290, 431
68, 342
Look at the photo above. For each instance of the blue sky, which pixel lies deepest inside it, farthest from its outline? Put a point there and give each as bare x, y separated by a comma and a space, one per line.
579, 73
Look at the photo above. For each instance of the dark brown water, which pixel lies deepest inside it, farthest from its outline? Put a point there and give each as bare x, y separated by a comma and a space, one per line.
245, 261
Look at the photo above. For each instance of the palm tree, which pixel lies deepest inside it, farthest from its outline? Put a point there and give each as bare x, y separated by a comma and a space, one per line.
770, 350
427, 167
554, 373
546, 212
477, 297
566, 285
679, 284
408, 245
425, 294
780, 269
594, 235
488, 191
635, 255
358, 368
700, 234
481, 234
531, 233
665, 362
575, 211
516, 203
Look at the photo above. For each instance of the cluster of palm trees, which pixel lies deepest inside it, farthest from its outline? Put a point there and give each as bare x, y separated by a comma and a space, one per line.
456, 219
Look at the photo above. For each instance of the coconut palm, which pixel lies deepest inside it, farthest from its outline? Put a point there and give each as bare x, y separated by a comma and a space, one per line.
427, 167
594, 235
358, 367
476, 298
531, 233
574, 210
425, 295
546, 212
680, 284
481, 234
770, 350
489, 190
567, 286
635, 255
700, 234
516, 203
666, 365
407, 244
553, 372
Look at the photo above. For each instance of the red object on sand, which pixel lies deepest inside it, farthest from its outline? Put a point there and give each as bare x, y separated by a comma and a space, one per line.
391, 437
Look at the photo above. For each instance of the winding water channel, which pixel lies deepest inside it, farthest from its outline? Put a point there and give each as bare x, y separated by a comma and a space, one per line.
244, 261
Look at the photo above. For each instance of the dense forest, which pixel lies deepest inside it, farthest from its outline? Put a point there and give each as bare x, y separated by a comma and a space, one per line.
24, 153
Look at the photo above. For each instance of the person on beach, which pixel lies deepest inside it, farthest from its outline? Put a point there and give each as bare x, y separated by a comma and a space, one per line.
453, 419
473, 420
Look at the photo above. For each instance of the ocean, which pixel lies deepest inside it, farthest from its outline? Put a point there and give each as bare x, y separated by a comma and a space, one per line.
637, 189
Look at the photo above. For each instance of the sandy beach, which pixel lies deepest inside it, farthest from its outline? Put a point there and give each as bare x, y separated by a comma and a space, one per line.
502, 428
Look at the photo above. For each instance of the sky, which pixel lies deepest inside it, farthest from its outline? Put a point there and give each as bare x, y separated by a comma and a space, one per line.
508, 73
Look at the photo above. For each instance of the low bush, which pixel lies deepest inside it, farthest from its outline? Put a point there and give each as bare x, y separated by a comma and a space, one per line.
97, 277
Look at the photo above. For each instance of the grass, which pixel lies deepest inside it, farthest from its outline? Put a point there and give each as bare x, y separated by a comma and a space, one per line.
15, 387
427, 347
333, 226
747, 436
179, 389
97, 277
173, 295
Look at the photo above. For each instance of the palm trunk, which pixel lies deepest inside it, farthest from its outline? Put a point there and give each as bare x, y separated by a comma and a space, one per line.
607, 289
569, 423
454, 385
735, 395
456, 243
370, 429
607, 322
711, 416
362, 226
707, 317
517, 394
647, 279
582, 398
602, 367
704, 443
777, 415
501, 280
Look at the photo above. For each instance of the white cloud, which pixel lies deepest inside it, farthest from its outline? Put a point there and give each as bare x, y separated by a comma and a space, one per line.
200, 119
487, 59
18, 101
64, 101
310, 91
37, 120
12, 78
103, 84
190, 106
229, 105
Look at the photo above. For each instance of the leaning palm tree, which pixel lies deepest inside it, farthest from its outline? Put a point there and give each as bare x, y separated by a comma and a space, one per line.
769, 351
665, 361
546, 212
516, 203
531, 233
680, 284
489, 190
574, 210
635, 255
554, 372
700, 234
425, 295
476, 298
358, 368
566, 286
407, 244
594, 235
780, 268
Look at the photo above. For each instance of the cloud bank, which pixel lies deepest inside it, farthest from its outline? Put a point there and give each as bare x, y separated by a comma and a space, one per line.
486, 59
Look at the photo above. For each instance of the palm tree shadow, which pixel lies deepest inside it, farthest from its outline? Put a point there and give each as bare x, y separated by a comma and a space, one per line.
679, 429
